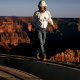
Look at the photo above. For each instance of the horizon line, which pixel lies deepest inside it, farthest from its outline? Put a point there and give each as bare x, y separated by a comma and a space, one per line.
32, 16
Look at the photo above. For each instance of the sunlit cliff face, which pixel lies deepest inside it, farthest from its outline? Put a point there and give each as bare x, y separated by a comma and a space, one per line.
79, 27
1, 31
67, 56
29, 27
16, 30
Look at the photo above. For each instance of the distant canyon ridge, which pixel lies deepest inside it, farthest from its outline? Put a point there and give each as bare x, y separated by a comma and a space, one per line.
17, 30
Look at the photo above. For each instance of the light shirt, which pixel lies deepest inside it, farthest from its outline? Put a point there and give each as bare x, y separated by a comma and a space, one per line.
41, 19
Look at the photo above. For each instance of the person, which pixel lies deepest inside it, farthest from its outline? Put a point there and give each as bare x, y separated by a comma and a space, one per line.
41, 18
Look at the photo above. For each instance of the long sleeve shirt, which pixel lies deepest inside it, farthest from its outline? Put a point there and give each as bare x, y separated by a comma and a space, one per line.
41, 19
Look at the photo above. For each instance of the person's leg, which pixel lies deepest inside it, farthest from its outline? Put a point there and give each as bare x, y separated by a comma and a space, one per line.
41, 34
38, 42
44, 38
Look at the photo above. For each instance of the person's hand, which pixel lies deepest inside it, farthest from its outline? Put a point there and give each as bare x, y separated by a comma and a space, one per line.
55, 26
33, 29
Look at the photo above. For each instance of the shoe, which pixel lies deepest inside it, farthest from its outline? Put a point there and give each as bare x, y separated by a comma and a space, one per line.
38, 57
44, 59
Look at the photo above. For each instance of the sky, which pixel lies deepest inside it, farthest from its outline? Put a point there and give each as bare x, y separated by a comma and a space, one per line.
58, 8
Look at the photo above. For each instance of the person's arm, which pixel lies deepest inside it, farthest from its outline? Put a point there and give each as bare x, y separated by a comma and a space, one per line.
34, 19
34, 22
50, 21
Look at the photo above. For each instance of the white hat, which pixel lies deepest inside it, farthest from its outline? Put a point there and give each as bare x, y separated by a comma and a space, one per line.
42, 3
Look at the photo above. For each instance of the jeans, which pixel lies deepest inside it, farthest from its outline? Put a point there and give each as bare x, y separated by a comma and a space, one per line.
40, 40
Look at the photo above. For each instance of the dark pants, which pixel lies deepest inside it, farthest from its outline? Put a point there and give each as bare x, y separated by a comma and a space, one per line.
40, 34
